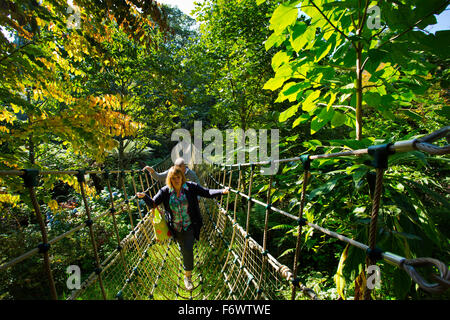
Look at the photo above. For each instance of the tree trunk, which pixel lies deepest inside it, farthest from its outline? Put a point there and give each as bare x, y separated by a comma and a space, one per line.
121, 149
359, 92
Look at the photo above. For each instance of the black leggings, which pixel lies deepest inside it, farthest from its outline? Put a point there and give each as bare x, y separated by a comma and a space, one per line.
185, 241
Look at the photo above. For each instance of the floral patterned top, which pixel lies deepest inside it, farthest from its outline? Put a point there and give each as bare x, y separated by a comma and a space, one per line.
179, 206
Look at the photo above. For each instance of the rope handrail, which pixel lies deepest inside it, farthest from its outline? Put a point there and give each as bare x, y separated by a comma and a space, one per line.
420, 144
33, 251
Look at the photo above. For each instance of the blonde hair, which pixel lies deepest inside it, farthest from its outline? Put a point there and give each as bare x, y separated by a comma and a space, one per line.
175, 170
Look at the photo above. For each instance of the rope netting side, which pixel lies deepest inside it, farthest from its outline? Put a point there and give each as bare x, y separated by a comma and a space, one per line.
249, 271
59, 232
135, 267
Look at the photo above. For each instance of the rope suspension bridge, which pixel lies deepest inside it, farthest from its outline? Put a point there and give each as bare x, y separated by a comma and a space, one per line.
229, 262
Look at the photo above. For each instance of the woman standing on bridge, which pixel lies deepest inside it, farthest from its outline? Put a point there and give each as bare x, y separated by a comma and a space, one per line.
182, 213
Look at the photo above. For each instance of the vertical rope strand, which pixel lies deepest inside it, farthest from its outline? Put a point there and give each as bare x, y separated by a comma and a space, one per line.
234, 222
45, 244
116, 230
373, 222
266, 226
81, 182
244, 252
299, 230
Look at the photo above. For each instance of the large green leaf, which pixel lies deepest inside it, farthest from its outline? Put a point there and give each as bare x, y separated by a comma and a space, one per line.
279, 58
319, 121
288, 113
291, 91
302, 36
274, 83
298, 38
325, 188
338, 119
274, 40
283, 16
322, 51
309, 104
302, 119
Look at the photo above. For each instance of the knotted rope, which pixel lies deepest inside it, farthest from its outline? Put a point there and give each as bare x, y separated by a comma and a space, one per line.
410, 265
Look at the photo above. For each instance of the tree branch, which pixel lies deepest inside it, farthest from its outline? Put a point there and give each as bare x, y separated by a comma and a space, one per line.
416, 24
403, 32
34, 41
328, 20
16, 50
372, 86
378, 33
338, 106
361, 22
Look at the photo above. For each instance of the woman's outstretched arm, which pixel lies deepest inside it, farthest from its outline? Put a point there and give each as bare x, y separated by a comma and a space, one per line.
149, 201
208, 193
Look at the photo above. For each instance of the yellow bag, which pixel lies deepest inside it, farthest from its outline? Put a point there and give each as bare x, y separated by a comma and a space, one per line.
162, 232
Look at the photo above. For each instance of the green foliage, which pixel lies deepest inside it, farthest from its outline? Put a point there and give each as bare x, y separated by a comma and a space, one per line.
342, 78
42, 92
333, 64
20, 233
232, 37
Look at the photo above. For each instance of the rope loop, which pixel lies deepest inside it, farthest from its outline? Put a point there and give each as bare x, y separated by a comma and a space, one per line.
380, 154
80, 176
424, 143
443, 279
374, 254
306, 161
30, 177
43, 247
285, 272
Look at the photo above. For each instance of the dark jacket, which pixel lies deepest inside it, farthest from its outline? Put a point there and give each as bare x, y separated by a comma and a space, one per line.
193, 210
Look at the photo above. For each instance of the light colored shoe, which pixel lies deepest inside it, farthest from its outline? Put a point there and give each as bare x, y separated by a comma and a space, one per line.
188, 283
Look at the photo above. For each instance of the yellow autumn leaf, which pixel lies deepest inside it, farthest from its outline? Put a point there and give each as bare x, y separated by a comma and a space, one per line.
16, 108
7, 116
10, 199
339, 277
360, 285
53, 205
